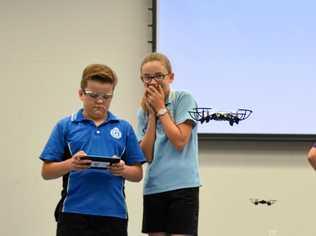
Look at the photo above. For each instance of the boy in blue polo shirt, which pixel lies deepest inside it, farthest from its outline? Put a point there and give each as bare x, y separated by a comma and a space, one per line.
93, 201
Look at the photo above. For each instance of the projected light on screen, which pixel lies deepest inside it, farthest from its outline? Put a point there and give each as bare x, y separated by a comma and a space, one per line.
257, 55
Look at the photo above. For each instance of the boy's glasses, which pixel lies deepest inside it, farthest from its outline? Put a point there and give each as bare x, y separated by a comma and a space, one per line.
96, 96
159, 77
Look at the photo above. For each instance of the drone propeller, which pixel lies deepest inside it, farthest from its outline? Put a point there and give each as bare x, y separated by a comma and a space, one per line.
243, 114
200, 114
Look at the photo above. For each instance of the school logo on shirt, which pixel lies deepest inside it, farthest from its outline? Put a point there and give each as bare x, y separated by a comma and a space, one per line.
116, 133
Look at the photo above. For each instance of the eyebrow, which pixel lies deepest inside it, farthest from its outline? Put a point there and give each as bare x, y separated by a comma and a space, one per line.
103, 93
156, 73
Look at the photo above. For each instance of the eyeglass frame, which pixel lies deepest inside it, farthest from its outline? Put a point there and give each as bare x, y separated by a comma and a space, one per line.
149, 78
96, 96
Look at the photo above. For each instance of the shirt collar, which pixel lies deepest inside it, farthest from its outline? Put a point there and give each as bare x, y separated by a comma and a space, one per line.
79, 117
170, 98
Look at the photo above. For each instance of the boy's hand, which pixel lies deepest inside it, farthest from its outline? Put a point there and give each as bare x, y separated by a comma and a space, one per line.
117, 169
76, 163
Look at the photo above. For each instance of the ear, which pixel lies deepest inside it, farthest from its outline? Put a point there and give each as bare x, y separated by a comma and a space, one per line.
80, 93
171, 77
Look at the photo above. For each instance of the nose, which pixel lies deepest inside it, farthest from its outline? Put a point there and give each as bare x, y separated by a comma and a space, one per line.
152, 81
100, 99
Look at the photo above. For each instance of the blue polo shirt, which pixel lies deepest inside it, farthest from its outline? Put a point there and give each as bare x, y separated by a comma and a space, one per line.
171, 169
94, 191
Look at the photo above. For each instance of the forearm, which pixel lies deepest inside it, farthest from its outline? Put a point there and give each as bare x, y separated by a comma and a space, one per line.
173, 132
156, 98
312, 162
312, 157
148, 141
53, 170
133, 173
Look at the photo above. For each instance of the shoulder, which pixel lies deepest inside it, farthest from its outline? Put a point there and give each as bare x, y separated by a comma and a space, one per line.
182, 93
125, 127
178, 95
122, 124
183, 98
64, 121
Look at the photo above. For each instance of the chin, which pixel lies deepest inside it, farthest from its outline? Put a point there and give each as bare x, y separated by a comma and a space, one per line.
98, 115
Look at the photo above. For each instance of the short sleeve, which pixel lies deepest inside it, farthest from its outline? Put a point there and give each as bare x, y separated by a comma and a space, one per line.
54, 149
134, 154
141, 124
184, 104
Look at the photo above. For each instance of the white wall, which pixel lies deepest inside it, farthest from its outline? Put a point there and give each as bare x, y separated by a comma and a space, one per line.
44, 47
235, 172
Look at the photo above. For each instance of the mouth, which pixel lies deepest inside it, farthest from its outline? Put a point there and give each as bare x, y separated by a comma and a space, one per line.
98, 108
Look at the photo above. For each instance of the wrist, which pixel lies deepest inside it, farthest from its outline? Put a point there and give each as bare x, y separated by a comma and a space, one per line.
162, 112
68, 165
152, 115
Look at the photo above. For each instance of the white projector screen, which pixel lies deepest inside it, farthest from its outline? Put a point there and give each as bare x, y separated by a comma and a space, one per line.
258, 55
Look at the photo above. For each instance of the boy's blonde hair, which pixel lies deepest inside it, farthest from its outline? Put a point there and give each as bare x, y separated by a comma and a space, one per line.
98, 72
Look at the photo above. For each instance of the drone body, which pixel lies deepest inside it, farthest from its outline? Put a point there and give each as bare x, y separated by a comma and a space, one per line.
203, 115
256, 201
230, 117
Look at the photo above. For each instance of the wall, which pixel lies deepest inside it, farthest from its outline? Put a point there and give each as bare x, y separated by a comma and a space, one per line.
236, 172
44, 47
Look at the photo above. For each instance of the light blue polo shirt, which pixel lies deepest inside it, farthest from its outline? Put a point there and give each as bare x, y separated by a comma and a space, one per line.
171, 169
94, 191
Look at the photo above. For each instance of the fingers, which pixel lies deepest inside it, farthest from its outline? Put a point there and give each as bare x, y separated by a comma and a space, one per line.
117, 169
149, 107
150, 101
153, 94
151, 90
78, 163
80, 154
160, 89
156, 98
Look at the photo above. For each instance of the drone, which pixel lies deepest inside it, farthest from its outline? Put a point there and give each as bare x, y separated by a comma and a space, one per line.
256, 201
203, 114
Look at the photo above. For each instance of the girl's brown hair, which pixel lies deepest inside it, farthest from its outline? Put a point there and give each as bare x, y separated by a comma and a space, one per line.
156, 56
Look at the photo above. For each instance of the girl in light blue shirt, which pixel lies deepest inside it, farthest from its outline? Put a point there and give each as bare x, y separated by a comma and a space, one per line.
168, 138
